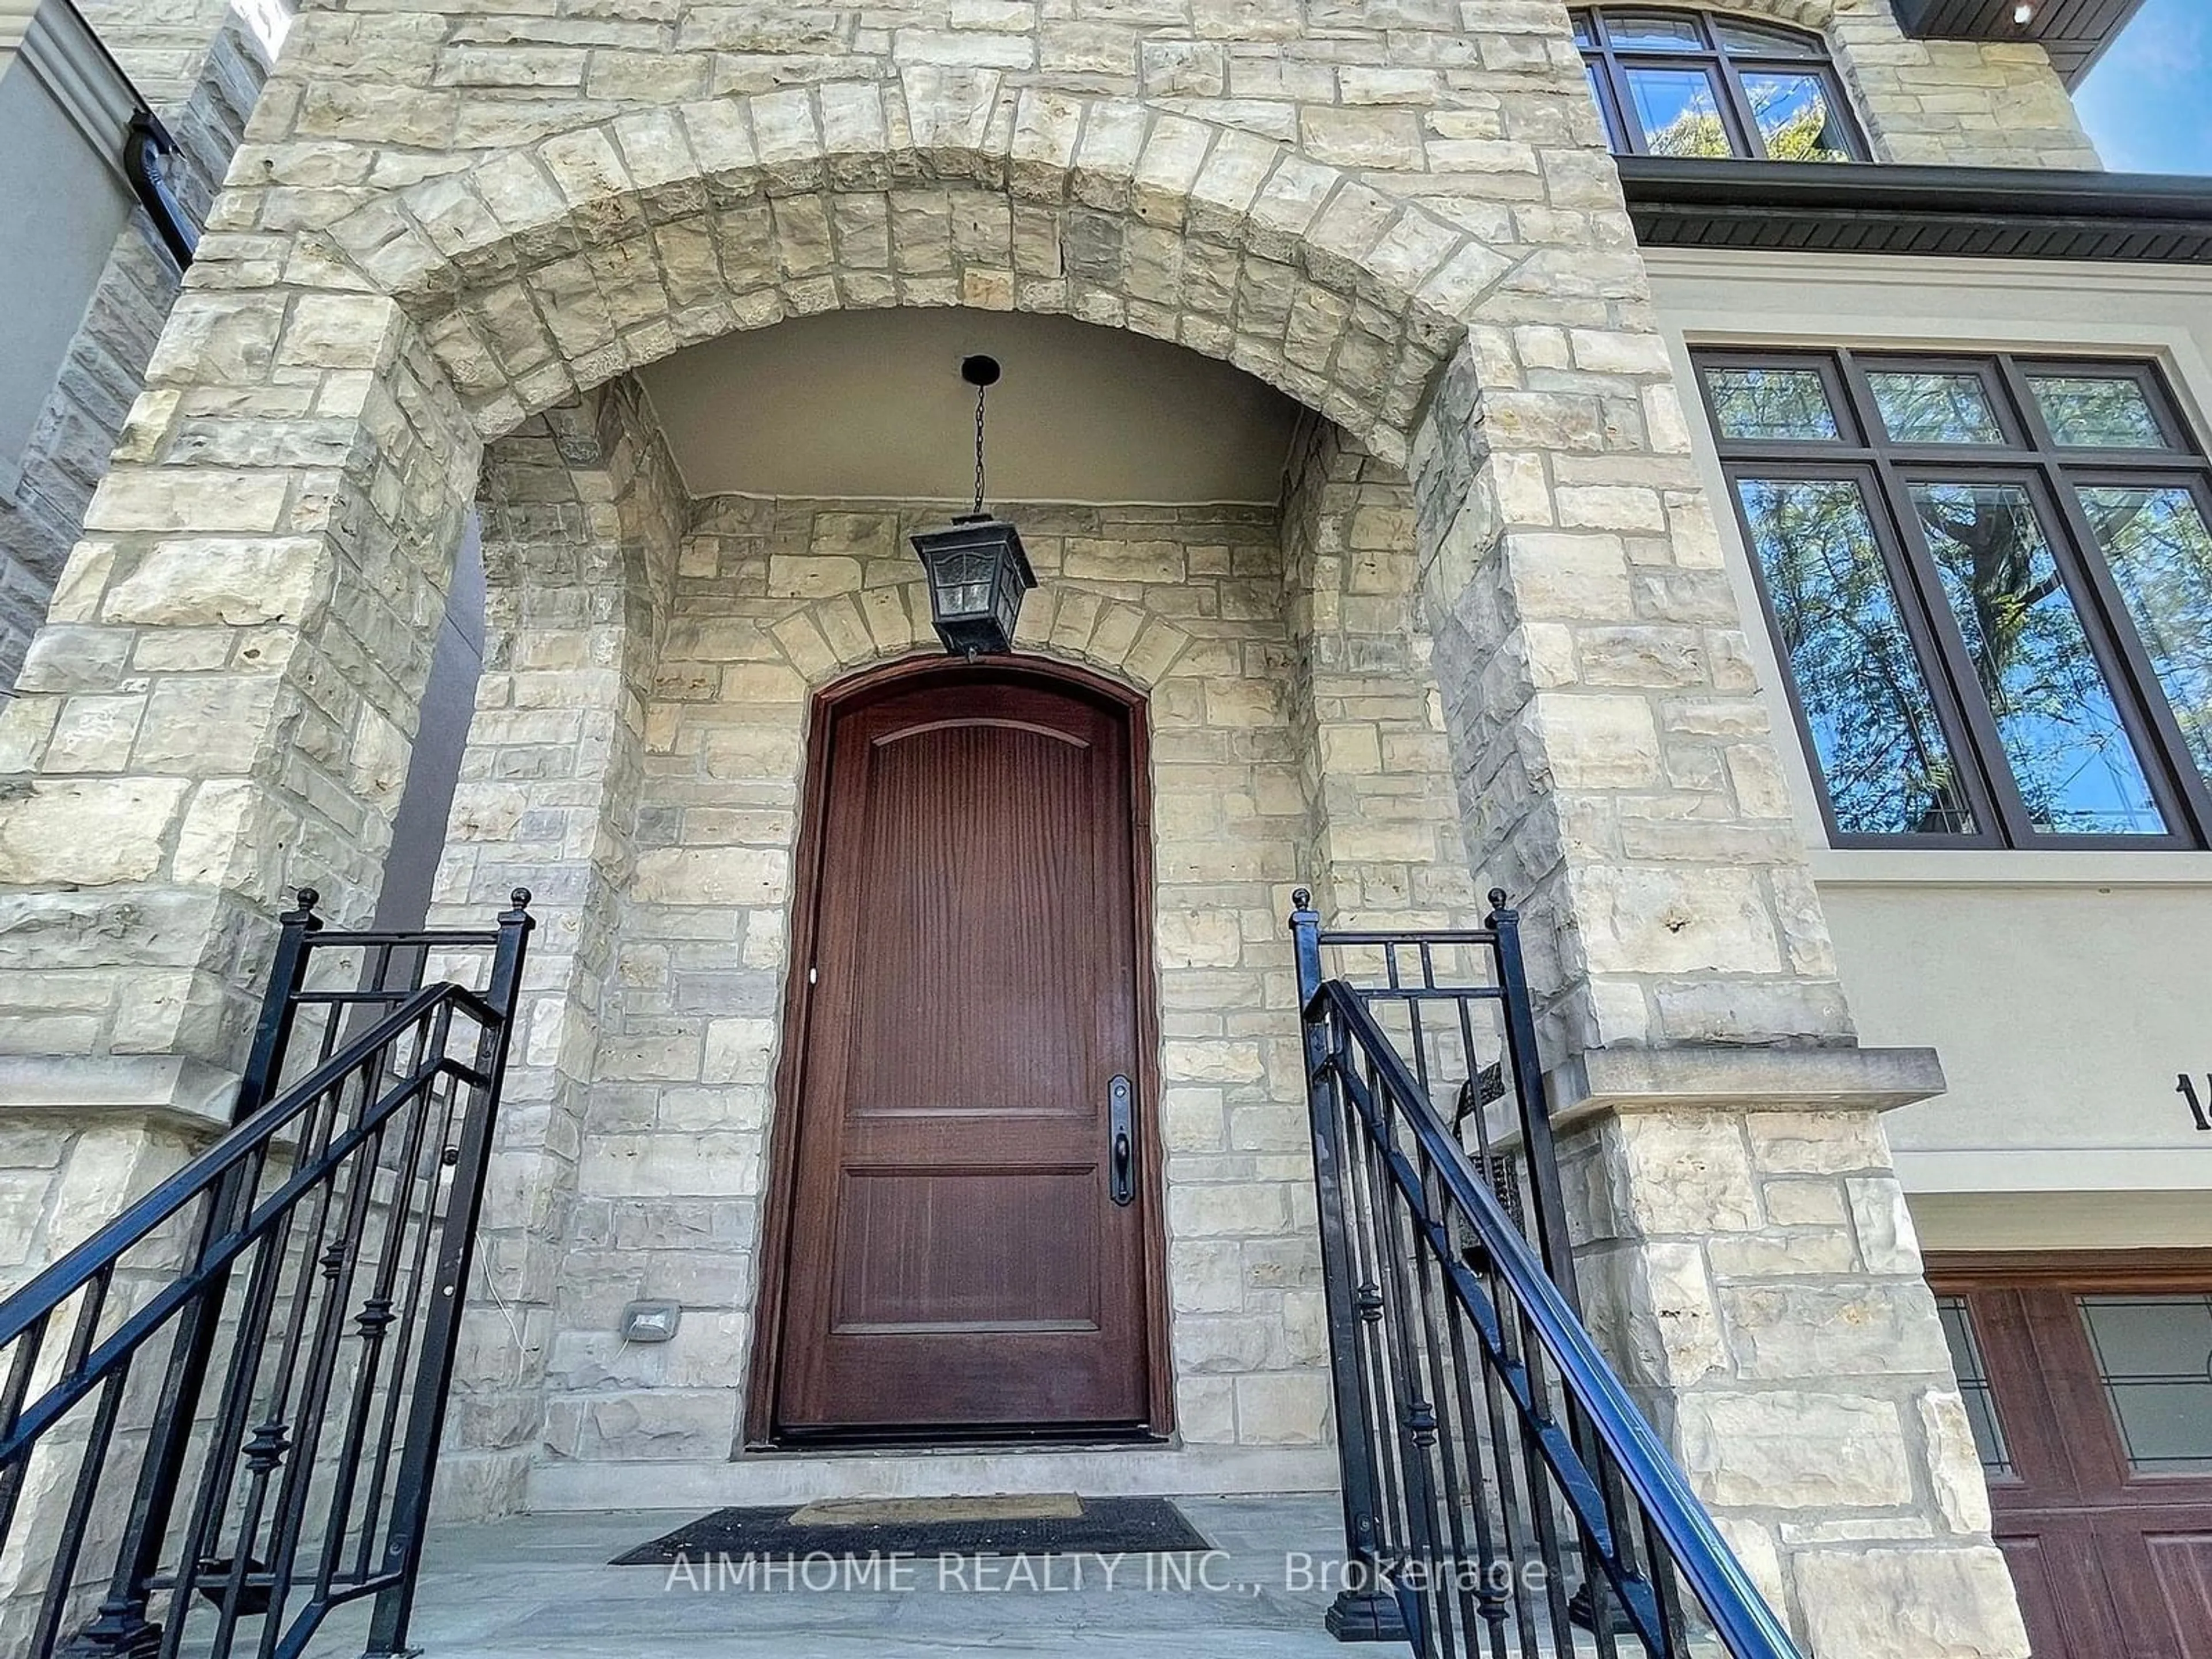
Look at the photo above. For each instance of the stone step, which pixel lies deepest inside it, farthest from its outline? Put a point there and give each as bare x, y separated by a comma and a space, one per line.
581, 1486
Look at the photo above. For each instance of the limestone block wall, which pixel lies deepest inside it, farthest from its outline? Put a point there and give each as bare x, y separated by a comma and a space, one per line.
582, 520
446, 224
203, 70
1756, 1278
372, 192
636, 757
1388, 849
1395, 96
1957, 103
773, 599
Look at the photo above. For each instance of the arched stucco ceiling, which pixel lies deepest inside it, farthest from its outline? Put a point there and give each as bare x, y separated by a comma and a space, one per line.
871, 403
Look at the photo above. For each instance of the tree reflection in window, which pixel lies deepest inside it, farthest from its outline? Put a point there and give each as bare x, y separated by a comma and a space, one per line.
1921, 407
1990, 578
2071, 757
1883, 751
1696, 83
1771, 403
1678, 113
2155, 540
1796, 118
2097, 411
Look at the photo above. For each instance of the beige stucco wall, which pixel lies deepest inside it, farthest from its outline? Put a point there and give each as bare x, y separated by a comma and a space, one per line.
2065, 990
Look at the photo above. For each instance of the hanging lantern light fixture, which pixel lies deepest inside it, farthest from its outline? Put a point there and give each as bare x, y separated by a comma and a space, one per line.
977, 568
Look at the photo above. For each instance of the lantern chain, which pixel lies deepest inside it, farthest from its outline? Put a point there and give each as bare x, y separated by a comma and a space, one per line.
981, 393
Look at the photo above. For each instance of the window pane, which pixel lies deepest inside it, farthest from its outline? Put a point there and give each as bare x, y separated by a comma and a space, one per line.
1974, 1384
2097, 411
1794, 117
1771, 403
1883, 754
1597, 97
1764, 40
1645, 31
2159, 550
1679, 113
2076, 769
1585, 35
2154, 1353
1921, 408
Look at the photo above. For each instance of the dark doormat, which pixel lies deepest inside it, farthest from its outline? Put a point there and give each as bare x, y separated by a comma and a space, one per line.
930, 1527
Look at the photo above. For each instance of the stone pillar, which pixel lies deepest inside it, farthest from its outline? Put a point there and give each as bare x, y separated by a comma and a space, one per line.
1385, 842
219, 706
581, 516
1616, 771
1748, 1260
1749, 1264
217, 709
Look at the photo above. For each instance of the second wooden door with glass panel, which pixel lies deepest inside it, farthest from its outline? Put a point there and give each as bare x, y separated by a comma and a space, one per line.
2090, 1393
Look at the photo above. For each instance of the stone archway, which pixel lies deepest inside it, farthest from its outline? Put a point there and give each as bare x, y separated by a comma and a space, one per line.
1513, 370
601, 249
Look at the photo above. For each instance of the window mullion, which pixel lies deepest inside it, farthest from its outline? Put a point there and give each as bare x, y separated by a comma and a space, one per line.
2123, 721
1853, 476
2110, 649
1746, 140
2028, 410
1599, 71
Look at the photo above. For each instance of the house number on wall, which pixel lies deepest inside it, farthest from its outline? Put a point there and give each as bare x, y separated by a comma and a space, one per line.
2186, 1088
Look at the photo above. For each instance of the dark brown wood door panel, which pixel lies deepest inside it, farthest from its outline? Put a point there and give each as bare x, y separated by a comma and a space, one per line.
2181, 1568
955, 1262
2108, 1536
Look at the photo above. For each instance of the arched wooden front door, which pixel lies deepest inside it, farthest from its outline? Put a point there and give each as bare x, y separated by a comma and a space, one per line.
967, 1246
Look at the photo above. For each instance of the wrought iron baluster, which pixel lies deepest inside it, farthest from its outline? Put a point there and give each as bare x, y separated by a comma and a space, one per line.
75, 1525
419, 1273
1361, 1610
1453, 1432
245, 1270
1490, 1421
456, 1245
1667, 1593
1496, 1605
12, 1469
372, 1321
335, 1263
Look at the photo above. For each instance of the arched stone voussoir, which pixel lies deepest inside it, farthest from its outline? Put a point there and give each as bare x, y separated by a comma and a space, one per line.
550, 269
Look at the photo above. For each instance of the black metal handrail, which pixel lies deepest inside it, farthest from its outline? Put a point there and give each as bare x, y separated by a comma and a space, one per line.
1501, 1489
240, 1433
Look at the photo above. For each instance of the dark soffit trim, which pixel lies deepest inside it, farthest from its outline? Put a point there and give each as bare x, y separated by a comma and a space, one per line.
2076, 33
1999, 213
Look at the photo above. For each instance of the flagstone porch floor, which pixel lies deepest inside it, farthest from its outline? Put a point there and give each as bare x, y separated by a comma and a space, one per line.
537, 1587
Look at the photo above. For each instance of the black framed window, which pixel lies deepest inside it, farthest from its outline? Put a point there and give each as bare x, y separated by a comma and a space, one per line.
1990, 580
1672, 82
